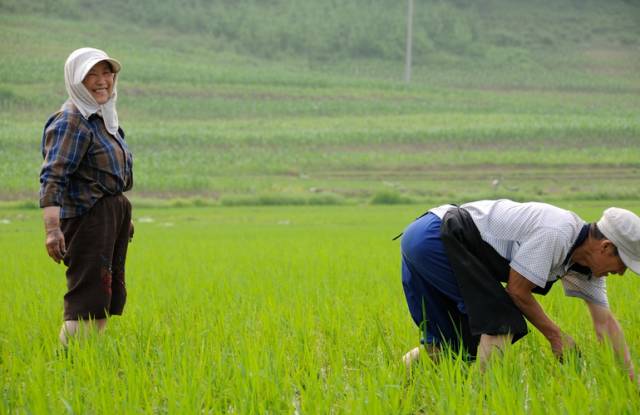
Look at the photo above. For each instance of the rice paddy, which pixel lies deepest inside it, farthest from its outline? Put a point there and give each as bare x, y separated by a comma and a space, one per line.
262, 277
277, 310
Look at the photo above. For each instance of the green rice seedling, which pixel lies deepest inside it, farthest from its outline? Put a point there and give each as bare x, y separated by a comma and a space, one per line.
278, 309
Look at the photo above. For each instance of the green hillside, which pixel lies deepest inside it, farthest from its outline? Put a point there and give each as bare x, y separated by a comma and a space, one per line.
303, 102
338, 30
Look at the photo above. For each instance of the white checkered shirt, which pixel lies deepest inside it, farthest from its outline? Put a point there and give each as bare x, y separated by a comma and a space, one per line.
535, 238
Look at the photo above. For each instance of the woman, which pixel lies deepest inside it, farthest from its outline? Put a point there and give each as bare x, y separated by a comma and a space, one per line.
87, 166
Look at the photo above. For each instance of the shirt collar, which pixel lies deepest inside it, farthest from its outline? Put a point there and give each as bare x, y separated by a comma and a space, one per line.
582, 236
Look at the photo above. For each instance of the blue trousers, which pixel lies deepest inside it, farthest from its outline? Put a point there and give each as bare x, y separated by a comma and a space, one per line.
430, 286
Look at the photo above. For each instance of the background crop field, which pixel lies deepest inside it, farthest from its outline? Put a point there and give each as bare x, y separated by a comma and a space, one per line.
277, 310
277, 151
224, 104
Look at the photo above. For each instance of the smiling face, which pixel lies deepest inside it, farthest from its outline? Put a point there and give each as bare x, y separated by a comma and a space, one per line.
607, 261
99, 82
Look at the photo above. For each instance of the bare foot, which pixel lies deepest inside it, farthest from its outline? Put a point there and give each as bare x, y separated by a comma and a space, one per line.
413, 356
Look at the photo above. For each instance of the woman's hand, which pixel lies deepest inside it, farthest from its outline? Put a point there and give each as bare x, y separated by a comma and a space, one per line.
54, 241
55, 244
131, 231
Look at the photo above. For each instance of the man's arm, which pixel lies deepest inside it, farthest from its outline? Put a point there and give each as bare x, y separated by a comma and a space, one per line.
605, 324
519, 289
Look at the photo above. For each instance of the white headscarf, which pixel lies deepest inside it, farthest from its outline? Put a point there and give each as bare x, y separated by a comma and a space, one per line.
78, 64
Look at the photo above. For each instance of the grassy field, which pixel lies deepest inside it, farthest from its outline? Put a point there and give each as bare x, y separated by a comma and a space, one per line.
277, 310
239, 307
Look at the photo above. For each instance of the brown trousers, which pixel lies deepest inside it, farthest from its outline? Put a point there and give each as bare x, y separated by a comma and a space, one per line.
96, 252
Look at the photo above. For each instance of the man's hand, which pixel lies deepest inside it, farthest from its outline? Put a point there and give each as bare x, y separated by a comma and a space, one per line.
131, 230
632, 374
607, 327
560, 344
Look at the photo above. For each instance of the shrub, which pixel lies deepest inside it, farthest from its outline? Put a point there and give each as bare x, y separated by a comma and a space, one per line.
390, 198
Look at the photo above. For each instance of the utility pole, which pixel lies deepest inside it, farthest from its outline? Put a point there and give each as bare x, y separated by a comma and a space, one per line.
407, 62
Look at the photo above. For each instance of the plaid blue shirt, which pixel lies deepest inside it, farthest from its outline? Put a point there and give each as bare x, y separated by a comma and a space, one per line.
82, 162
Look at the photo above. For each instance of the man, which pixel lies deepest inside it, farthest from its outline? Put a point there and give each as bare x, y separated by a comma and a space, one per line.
455, 259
